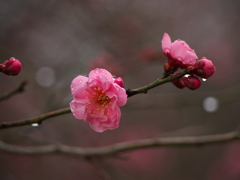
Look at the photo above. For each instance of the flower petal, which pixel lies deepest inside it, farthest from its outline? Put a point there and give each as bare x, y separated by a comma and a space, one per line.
166, 43
77, 109
178, 50
96, 73
77, 83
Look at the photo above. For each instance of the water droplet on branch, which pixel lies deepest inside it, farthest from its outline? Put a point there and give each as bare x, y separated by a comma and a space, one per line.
35, 124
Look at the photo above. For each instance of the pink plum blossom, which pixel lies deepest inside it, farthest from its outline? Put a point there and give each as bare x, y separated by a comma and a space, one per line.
179, 53
96, 100
11, 67
204, 68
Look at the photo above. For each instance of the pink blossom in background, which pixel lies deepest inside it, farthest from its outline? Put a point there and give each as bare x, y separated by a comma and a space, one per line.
204, 68
150, 53
106, 61
227, 166
11, 67
96, 100
179, 53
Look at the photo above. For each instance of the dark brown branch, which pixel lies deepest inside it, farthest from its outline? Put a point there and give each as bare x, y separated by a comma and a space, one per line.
19, 89
121, 147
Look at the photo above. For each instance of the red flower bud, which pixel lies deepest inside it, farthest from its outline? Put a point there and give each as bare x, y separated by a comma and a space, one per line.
119, 81
192, 82
11, 67
179, 82
204, 68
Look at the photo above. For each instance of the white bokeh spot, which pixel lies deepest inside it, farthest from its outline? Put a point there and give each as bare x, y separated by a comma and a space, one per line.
45, 76
210, 104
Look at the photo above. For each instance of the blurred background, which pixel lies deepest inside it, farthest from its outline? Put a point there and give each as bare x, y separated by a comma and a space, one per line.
56, 40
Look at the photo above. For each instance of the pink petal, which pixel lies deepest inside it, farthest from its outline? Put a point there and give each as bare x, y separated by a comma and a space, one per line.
78, 82
77, 109
96, 73
95, 122
166, 43
78, 88
97, 128
122, 97
191, 57
178, 51
113, 122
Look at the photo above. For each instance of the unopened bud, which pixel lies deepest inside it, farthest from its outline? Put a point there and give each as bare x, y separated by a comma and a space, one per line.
11, 67
204, 68
192, 82
179, 82
119, 81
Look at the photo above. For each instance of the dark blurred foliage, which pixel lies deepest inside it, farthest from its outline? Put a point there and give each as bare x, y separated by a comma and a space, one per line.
56, 40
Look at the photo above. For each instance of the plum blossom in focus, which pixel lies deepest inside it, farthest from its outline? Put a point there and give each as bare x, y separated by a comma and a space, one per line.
11, 67
96, 100
179, 53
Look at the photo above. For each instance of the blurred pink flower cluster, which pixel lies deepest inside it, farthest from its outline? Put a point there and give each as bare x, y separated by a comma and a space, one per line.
180, 55
97, 98
11, 67
106, 61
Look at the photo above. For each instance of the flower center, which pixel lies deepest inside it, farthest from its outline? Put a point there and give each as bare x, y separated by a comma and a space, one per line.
97, 96
102, 99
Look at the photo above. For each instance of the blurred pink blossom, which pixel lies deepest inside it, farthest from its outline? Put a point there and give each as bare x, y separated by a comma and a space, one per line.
227, 167
204, 68
96, 100
11, 67
106, 61
179, 53
150, 53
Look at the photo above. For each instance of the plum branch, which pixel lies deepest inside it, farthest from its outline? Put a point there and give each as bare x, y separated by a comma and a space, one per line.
116, 148
19, 89
130, 92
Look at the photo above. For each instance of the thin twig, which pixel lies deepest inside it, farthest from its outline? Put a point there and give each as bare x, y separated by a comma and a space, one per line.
130, 92
121, 147
35, 120
158, 82
19, 89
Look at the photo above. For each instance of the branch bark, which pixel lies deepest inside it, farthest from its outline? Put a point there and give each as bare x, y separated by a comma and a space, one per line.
122, 146
19, 89
35, 120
